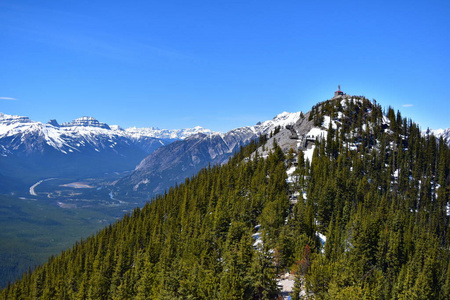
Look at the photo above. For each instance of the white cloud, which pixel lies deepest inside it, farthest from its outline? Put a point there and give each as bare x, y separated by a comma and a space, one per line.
7, 98
408, 105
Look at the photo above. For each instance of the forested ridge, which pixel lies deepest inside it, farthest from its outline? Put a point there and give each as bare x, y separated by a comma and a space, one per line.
376, 189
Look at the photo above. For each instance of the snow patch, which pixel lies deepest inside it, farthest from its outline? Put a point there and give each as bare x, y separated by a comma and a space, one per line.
309, 153
317, 133
326, 122
323, 240
291, 170
396, 174
258, 244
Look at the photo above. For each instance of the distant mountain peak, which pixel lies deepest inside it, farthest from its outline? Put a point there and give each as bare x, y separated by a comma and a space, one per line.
86, 122
19, 134
53, 122
444, 133
11, 119
178, 134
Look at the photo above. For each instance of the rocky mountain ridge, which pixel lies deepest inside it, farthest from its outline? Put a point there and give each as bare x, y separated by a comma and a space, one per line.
181, 159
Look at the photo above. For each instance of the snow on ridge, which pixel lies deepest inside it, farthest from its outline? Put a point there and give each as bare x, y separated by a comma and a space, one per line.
12, 119
84, 131
116, 128
250, 132
85, 122
282, 119
439, 132
79, 133
178, 134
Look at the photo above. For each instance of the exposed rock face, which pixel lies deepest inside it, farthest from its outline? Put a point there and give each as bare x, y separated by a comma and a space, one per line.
291, 137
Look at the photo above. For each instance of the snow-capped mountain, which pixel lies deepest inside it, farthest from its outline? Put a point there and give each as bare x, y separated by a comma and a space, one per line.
175, 134
183, 158
81, 147
85, 122
19, 133
445, 133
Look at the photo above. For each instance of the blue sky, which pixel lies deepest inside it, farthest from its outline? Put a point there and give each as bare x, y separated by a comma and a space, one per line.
220, 64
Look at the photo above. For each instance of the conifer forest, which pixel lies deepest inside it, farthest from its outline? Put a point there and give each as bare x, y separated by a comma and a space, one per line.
366, 216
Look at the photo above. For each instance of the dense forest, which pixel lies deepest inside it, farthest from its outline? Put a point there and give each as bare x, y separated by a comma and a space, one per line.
376, 188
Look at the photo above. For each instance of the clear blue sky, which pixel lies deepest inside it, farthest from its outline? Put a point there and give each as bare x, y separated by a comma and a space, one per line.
220, 64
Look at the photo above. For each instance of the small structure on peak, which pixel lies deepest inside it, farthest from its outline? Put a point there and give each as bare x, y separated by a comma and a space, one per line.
338, 92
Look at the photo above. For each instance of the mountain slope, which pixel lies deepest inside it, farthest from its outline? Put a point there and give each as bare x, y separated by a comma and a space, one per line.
365, 217
179, 160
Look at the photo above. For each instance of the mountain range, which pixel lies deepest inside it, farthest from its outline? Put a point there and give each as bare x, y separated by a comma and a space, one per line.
444, 133
31, 150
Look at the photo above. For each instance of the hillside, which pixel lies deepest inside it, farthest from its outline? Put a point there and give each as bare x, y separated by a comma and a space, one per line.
351, 202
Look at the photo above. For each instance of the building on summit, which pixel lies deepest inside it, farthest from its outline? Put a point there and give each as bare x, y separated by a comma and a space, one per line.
339, 92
